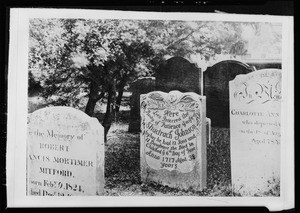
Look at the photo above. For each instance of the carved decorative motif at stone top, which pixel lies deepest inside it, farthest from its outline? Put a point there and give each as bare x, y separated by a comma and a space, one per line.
267, 88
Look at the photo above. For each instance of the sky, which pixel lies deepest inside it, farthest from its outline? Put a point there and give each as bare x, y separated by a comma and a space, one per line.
265, 44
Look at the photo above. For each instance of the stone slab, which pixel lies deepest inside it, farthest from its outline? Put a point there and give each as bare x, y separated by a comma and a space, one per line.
65, 153
173, 139
255, 131
140, 86
216, 89
177, 73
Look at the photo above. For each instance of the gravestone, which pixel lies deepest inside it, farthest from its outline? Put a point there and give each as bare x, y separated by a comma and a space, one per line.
173, 139
65, 153
179, 74
255, 103
216, 89
138, 87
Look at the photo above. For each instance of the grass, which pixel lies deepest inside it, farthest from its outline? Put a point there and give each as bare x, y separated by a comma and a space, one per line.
122, 167
122, 162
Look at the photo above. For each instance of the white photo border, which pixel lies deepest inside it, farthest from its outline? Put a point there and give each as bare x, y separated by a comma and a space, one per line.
18, 105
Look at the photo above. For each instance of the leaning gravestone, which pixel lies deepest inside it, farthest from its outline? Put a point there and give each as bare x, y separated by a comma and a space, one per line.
216, 89
140, 86
255, 103
65, 153
173, 139
178, 73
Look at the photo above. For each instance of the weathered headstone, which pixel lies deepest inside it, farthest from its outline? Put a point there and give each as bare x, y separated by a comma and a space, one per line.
138, 87
173, 139
179, 74
255, 103
216, 89
65, 153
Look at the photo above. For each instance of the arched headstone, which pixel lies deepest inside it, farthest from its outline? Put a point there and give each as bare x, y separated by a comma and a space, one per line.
255, 131
175, 73
65, 153
173, 139
179, 74
216, 89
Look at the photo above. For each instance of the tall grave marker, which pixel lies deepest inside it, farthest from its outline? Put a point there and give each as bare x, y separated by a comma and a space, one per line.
216, 89
173, 139
177, 73
255, 103
65, 153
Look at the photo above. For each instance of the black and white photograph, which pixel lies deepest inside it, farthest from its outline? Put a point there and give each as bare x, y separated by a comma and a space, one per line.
152, 106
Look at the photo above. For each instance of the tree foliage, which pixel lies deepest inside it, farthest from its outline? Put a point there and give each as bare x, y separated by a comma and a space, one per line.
73, 58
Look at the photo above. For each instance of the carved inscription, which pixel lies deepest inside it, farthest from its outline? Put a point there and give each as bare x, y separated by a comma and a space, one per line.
265, 88
255, 130
171, 125
64, 153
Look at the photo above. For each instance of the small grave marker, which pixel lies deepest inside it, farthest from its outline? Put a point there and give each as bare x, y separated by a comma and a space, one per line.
140, 86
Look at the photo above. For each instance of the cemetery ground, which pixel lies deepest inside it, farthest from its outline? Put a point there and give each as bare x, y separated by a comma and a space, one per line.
122, 160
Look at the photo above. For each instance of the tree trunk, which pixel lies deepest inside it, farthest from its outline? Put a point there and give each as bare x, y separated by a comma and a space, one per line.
107, 121
119, 99
93, 99
90, 106
107, 117
120, 93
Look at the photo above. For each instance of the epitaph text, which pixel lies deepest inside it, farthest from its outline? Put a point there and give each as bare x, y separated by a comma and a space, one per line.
255, 130
171, 131
64, 153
